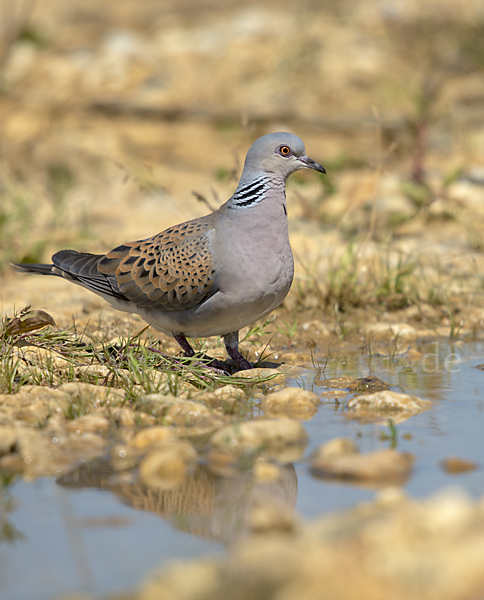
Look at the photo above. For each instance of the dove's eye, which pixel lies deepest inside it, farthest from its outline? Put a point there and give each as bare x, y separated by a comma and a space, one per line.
285, 150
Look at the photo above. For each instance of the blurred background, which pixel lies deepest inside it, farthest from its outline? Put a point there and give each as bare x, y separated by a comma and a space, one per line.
113, 113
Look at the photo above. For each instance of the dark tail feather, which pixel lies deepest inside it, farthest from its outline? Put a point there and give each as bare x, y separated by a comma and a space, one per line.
80, 268
33, 268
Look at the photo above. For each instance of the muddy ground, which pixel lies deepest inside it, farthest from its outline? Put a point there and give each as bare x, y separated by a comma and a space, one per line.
119, 119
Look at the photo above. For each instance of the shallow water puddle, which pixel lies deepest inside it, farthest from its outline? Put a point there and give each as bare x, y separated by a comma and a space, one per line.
445, 374
97, 532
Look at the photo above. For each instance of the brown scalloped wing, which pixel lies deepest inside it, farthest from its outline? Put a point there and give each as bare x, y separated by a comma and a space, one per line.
171, 271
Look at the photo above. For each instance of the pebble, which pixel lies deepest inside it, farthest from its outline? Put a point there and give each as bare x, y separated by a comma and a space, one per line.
388, 331
283, 438
335, 447
159, 402
32, 404
93, 372
96, 394
123, 415
382, 467
88, 423
291, 402
259, 373
316, 328
336, 382
152, 436
266, 472
225, 397
334, 394
365, 384
8, 439
269, 517
185, 413
454, 465
167, 466
45, 455
41, 358
385, 405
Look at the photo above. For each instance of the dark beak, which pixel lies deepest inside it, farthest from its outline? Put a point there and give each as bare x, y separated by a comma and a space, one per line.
309, 163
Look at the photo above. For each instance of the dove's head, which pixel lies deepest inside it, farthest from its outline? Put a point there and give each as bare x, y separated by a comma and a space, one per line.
277, 155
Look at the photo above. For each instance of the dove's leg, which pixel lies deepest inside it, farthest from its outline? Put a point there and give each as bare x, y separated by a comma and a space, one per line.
214, 364
185, 344
232, 344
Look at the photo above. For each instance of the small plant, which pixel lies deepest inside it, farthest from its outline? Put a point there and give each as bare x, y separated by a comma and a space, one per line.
257, 330
320, 368
345, 288
391, 436
79, 406
454, 329
392, 285
289, 329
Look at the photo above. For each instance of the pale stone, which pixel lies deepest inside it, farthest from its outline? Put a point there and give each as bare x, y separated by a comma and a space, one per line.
186, 412
225, 397
454, 465
95, 372
303, 358
8, 438
426, 333
291, 402
387, 404
160, 402
368, 384
254, 435
335, 394
34, 404
46, 453
266, 471
152, 436
43, 358
274, 516
167, 466
336, 447
222, 462
388, 331
96, 394
375, 468
316, 328
336, 382
27, 393
88, 423
259, 373
123, 415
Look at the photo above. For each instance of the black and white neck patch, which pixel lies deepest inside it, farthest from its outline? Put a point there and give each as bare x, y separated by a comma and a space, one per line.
251, 194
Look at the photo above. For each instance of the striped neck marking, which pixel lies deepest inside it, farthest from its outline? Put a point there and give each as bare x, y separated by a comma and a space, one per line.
252, 193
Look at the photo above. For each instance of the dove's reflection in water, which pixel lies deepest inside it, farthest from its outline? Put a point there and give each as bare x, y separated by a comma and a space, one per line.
205, 505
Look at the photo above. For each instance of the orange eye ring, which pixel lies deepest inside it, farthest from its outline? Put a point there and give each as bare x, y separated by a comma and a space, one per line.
285, 150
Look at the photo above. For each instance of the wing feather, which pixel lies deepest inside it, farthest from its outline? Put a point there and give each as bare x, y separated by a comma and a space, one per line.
170, 271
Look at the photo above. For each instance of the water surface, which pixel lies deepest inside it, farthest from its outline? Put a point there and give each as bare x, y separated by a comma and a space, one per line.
92, 532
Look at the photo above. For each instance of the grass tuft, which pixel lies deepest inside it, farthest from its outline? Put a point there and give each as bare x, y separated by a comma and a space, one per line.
135, 364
